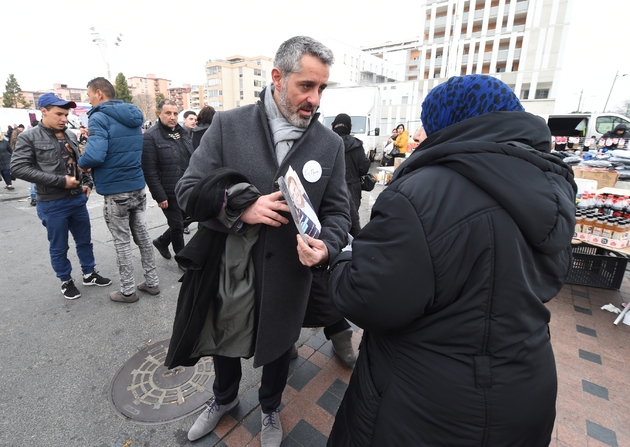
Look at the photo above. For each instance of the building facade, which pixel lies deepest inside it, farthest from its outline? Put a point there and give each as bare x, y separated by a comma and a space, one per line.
70, 93
354, 67
196, 97
520, 42
181, 96
149, 85
32, 97
235, 81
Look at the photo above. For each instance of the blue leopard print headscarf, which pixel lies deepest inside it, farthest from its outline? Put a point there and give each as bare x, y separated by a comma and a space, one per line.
463, 97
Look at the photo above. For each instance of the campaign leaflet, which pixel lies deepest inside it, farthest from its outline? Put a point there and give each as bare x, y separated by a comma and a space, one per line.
300, 205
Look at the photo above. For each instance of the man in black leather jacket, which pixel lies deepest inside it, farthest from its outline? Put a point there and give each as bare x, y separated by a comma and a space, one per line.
47, 156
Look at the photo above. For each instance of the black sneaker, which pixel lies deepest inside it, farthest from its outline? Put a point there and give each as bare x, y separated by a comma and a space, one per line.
94, 279
69, 290
33, 202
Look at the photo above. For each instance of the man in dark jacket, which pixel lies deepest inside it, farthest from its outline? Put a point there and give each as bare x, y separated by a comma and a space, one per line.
47, 156
262, 141
321, 311
620, 131
357, 165
165, 155
113, 153
450, 277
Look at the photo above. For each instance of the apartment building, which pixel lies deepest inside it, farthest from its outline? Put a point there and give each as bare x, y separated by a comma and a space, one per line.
150, 85
61, 90
70, 93
32, 97
354, 67
236, 81
181, 96
521, 42
196, 97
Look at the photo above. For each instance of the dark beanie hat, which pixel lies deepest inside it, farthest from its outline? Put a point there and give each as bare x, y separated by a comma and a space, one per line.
342, 125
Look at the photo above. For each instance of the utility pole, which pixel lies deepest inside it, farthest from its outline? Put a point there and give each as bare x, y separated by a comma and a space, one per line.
611, 88
101, 42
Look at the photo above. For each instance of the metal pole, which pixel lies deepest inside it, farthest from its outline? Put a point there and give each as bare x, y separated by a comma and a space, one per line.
611, 89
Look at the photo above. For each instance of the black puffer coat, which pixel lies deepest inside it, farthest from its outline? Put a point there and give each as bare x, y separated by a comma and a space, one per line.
449, 281
165, 159
5, 154
357, 164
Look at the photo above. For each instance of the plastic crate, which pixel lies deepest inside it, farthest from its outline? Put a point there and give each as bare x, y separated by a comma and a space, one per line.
597, 267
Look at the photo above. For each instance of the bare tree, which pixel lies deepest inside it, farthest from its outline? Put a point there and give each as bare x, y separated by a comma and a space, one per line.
624, 109
146, 104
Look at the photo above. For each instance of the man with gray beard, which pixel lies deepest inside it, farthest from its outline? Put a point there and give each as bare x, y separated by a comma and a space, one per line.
261, 141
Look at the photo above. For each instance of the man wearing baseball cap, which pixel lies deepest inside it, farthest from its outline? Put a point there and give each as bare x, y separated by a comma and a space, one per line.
47, 156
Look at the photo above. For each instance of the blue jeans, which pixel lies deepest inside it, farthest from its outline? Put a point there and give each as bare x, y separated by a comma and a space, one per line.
33, 194
60, 217
125, 217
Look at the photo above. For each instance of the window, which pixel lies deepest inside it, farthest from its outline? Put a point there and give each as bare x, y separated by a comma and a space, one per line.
256, 94
542, 93
213, 70
607, 123
524, 94
257, 83
405, 100
215, 81
257, 72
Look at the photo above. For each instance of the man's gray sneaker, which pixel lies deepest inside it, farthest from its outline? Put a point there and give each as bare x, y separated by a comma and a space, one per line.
209, 418
155, 290
122, 298
271, 432
342, 345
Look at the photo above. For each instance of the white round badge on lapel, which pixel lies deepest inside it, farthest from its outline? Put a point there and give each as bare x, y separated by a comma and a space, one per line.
312, 171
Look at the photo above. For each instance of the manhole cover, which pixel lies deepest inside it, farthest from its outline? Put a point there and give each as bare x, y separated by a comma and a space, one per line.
147, 392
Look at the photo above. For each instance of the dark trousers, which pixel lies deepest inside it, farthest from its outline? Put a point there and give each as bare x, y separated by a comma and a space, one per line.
6, 176
228, 374
174, 234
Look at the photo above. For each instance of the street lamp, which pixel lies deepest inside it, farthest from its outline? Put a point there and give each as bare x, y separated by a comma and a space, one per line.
101, 42
611, 88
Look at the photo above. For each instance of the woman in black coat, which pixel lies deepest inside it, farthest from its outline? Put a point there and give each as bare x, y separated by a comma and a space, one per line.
450, 278
5, 162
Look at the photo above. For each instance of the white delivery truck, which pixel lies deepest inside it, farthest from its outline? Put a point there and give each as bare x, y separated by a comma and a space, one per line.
11, 117
363, 104
584, 124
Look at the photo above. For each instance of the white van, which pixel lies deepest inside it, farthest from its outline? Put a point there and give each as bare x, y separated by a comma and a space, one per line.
584, 124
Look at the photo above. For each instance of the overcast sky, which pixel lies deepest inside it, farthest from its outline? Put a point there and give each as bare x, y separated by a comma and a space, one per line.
51, 42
